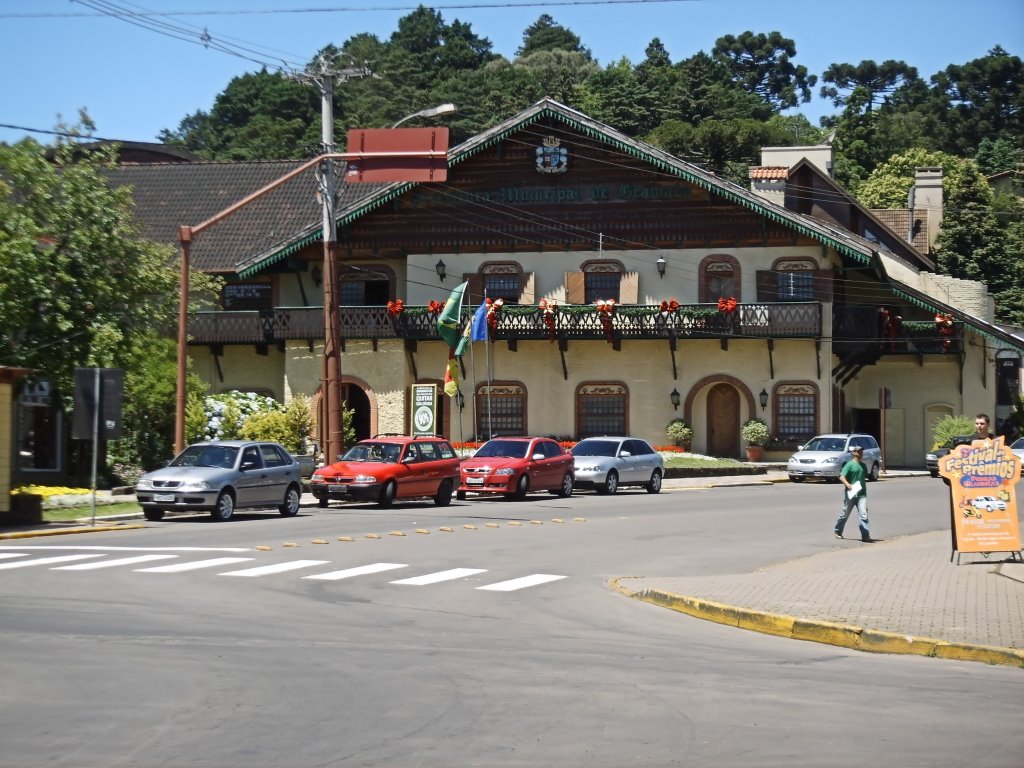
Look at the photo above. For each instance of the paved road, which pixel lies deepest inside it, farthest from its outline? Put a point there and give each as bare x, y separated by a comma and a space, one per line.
124, 665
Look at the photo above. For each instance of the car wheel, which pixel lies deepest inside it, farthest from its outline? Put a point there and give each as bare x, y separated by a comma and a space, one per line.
387, 494
873, 474
933, 472
522, 488
322, 502
654, 484
225, 507
565, 489
290, 508
795, 479
610, 484
153, 514
444, 494
460, 495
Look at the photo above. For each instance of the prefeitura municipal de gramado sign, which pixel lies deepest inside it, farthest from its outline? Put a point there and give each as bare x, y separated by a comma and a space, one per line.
982, 477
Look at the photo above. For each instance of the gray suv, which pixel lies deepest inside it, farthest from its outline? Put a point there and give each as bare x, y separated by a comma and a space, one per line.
220, 477
824, 456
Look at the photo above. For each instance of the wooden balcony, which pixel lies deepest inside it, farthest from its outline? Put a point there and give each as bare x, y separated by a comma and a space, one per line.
571, 321
857, 330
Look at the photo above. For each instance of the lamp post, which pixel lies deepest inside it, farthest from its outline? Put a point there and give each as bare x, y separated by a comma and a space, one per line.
674, 397
440, 109
763, 397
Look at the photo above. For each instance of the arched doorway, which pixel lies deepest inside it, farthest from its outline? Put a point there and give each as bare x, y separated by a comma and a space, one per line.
723, 421
355, 399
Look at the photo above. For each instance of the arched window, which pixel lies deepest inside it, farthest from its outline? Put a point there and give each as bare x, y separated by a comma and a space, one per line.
503, 281
365, 286
500, 410
602, 408
602, 280
794, 279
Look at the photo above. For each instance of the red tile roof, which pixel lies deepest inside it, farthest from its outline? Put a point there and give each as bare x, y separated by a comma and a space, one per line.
769, 172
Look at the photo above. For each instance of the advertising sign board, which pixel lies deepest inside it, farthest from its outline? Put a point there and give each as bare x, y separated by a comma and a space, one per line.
983, 501
424, 409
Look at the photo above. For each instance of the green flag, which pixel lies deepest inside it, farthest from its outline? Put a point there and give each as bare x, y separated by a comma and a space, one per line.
450, 317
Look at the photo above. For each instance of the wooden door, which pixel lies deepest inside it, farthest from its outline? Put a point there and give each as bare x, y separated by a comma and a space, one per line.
724, 421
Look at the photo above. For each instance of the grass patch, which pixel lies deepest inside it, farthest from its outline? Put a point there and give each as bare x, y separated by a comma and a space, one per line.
686, 462
64, 514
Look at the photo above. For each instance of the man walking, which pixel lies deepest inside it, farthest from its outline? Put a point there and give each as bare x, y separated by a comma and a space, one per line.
854, 477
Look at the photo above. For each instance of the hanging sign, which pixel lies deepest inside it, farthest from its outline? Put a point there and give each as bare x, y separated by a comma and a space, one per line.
981, 478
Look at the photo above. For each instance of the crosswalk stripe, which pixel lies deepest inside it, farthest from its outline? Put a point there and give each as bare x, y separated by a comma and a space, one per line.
113, 563
360, 571
263, 570
526, 581
45, 561
179, 567
434, 578
5, 555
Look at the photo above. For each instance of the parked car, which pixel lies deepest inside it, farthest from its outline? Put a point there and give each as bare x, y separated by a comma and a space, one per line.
608, 463
988, 503
389, 468
824, 456
515, 466
931, 459
220, 477
1018, 448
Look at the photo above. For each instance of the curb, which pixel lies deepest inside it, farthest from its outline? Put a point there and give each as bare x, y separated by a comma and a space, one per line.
829, 633
60, 532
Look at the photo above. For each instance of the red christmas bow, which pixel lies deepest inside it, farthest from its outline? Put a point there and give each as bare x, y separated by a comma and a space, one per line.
395, 307
670, 306
435, 307
547, 313
727, 305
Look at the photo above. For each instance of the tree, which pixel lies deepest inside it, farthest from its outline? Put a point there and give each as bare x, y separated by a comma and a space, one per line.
560, 74
617, 97
79, 287
875, 81
996, 156
762, 64
547, 35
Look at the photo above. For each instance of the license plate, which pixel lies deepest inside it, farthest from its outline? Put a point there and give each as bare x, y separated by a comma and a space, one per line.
336, 488
163, 497
474, 481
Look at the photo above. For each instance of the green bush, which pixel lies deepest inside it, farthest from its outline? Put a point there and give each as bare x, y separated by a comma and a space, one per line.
948, 427
755, 432
678, 432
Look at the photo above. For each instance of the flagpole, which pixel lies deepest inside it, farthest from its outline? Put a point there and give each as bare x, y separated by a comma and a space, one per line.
472, 365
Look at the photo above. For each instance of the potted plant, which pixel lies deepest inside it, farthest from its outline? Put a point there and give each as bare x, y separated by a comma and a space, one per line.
679, 433
756, 433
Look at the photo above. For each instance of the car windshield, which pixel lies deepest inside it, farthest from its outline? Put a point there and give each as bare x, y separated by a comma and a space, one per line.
1018, 443
508, 449
595, 448
206, 456
826, 444
385, 453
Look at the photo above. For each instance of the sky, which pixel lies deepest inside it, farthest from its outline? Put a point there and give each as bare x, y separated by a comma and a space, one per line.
59, 56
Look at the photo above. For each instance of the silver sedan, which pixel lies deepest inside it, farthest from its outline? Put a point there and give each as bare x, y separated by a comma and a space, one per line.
605, 463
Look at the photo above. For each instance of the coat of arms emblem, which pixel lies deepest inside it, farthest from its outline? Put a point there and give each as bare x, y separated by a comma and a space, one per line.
552, 157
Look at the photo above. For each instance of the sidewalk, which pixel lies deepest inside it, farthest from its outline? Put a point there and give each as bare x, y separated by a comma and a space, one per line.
898, 596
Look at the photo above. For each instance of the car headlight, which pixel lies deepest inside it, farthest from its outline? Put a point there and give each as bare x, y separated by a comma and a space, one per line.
317, 478
364, 479
505, 471
144, 482
930, 457
194, 485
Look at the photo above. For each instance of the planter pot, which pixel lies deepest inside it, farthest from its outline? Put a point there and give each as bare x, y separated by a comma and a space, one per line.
755, 452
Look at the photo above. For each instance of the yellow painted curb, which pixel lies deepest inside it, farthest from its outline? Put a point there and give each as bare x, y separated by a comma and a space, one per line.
514, 522
90, 529
345, 538
827, 632
493, 525
397, 533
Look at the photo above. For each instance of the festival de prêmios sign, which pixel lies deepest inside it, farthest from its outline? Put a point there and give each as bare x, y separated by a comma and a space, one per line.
982, 477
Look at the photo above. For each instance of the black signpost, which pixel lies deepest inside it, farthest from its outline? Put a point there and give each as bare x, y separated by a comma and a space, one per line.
99, 393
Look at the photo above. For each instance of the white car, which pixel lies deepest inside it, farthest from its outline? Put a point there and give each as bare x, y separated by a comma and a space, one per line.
607, 463
988, 503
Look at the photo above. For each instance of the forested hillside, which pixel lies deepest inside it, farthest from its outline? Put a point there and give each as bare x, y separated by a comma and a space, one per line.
716, 108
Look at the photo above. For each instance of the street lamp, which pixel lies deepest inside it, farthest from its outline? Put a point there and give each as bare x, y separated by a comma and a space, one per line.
441, 109
674, 397
661, 264
763, 397
441, 269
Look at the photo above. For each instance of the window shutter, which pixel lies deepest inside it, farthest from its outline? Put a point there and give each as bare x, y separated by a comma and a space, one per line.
574, 288
529, 291
767, 285
475, 290
629, 287
823, 285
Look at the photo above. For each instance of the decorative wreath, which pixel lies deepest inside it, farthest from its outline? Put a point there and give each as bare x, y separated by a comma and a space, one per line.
396, 307
605, 310
493, 311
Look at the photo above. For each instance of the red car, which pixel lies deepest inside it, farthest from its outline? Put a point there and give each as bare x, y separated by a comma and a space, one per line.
514, 466
387, 468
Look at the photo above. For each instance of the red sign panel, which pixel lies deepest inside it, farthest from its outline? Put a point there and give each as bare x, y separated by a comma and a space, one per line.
397, 154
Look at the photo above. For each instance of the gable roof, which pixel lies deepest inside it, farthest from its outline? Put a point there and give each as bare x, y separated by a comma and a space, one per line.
547, 108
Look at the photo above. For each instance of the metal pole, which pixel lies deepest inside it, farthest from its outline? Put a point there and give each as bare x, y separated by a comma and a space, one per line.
95, 435
334, 441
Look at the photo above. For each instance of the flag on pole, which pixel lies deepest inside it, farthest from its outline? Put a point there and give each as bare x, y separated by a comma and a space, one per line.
450, 317
451, 374
476, 330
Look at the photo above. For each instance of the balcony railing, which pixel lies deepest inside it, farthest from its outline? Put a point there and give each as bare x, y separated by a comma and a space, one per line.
857, 328
569, 321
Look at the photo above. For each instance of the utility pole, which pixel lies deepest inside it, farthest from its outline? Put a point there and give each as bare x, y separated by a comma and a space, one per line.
332, 430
